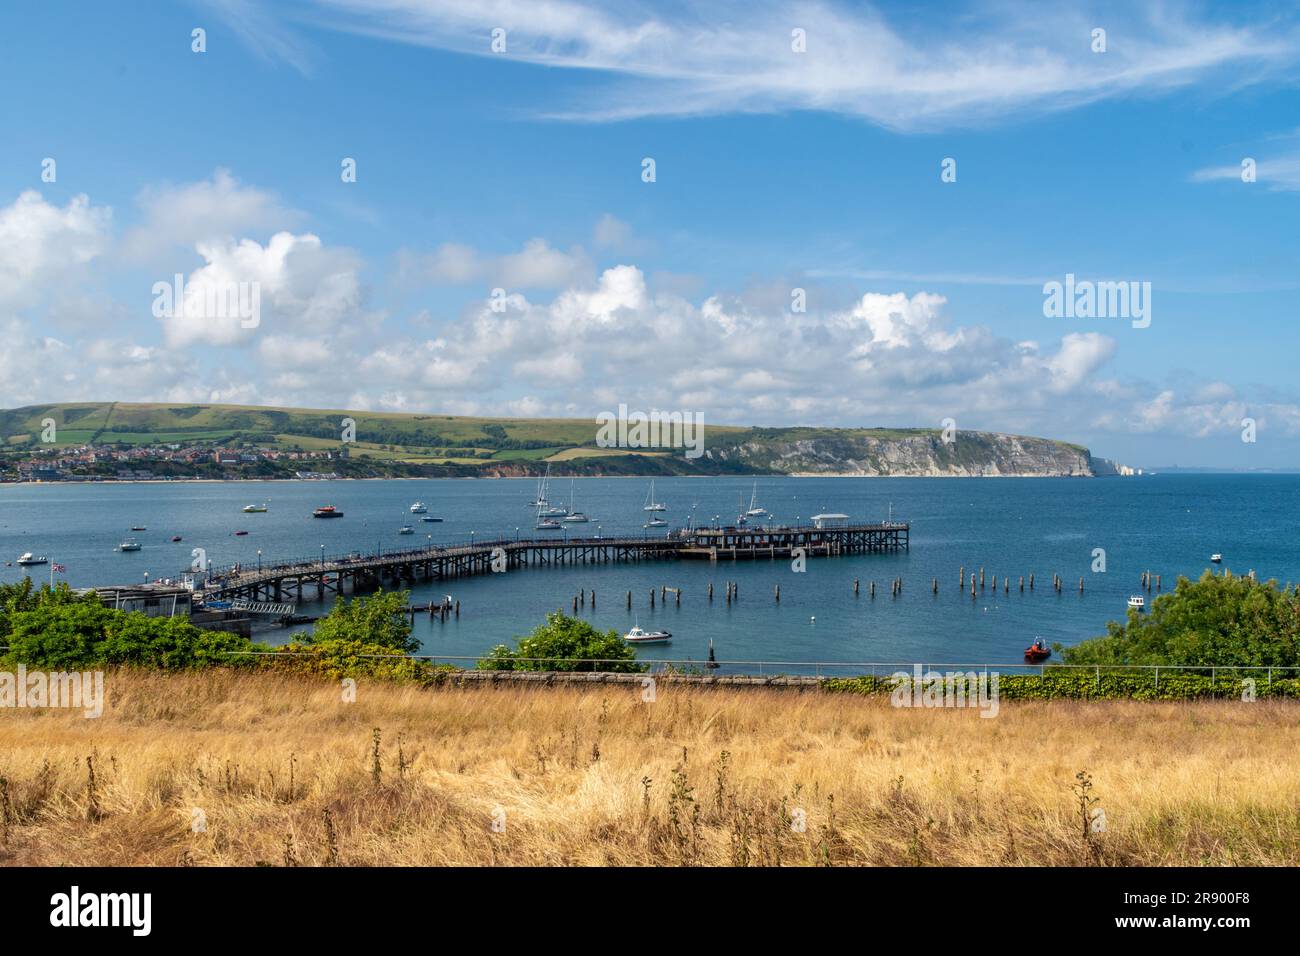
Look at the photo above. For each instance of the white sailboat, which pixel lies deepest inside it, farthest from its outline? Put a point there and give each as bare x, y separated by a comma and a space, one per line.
755, 510
546, 524
650, 503
574, 517
540, 500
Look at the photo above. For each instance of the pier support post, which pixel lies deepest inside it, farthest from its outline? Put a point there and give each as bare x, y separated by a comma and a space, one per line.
1031, 582
629, 600
873, 589
934, 585
855, 587
961, 578
777, 592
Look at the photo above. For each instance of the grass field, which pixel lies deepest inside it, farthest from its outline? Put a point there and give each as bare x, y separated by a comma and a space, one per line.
224, 768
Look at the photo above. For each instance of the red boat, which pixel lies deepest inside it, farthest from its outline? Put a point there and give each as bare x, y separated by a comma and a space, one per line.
240, 534
328, 511
1037, 651
176, 537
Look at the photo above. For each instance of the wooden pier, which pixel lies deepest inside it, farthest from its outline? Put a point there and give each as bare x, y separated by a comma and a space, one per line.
296, 580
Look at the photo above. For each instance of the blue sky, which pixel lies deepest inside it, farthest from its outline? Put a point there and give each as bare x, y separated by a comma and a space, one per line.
775, 170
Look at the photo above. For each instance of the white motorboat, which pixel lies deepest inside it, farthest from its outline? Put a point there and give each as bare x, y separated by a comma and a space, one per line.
28, 558
638, 636
1216, 558
130, 544
1137, 602
406, 529
654, 522
418, 508
650, 503
254, 509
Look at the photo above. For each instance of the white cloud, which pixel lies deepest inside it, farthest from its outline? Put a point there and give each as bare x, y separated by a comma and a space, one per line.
180, 216
536, 266
1280, 173
903, 70
42, 245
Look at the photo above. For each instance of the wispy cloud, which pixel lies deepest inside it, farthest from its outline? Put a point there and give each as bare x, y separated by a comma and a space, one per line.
963, 66
1278, 173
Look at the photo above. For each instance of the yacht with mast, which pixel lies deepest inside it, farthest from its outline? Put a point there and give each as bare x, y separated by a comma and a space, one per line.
650, 503
755, 510
573, 517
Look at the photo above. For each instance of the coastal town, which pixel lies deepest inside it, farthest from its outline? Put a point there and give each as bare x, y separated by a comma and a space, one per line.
168, 462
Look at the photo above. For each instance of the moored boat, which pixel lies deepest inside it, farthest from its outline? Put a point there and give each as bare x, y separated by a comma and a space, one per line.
327, 511
406, 529
130, 544
28, 558
638, 636
1216, 558
254, 509
1137, 602
418, 508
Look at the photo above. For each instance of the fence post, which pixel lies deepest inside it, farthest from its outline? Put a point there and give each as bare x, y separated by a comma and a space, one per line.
1157, 679
1099, 678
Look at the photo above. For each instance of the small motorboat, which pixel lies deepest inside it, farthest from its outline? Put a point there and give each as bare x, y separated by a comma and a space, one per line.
240, 534
638, 636
1137, 602
655, 522
327, 511
1037, 651
176, 538
547, 524
418, 508
139, 527
406, 529
430, 518
29, 558
254, 509
1216, 558
130, 544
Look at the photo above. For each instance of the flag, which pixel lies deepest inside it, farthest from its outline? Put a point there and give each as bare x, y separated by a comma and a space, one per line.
58, 568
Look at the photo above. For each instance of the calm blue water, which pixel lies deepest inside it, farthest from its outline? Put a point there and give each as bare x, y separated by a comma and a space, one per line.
1169, 524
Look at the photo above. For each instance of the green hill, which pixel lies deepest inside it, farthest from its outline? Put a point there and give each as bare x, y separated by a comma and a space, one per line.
404, 443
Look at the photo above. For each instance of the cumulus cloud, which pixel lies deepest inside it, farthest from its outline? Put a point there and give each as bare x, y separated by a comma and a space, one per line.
294, 284
42, 245
180, 216
589, 343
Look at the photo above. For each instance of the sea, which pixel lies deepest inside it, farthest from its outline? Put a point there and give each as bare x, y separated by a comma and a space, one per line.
1105, 531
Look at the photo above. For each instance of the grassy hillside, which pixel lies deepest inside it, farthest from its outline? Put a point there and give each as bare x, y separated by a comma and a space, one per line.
281, 772
501, 445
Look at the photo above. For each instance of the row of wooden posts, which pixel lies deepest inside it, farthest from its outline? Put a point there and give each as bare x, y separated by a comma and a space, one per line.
977, 584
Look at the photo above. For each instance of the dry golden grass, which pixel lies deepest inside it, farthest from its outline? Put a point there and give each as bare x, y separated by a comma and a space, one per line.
282, 771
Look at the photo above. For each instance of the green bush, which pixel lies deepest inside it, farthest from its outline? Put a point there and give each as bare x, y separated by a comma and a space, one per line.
565, 643
58, 630
380, 618
1219, 620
